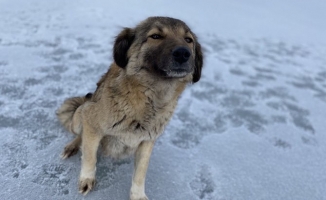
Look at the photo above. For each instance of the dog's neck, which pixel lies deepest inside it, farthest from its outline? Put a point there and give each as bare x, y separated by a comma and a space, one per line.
165, 89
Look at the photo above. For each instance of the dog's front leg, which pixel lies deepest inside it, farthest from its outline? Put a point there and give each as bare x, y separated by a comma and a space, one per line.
142, 157
90, 144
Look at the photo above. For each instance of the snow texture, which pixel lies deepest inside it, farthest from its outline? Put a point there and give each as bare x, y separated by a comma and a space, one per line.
252, 128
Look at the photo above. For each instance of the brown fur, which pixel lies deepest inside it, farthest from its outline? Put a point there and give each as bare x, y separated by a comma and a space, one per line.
135, 99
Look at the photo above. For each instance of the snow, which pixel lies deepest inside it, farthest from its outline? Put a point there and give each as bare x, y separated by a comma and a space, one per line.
252, 128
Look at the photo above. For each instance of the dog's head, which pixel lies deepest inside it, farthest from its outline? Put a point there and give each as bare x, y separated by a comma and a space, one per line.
162, 46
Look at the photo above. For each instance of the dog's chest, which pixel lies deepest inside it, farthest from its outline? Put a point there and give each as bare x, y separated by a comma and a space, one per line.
145, 121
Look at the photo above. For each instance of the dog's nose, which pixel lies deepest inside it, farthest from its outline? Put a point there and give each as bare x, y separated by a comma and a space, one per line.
181, 54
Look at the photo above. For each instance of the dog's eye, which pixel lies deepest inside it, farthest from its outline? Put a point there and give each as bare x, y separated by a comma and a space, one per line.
188, 40
156, 36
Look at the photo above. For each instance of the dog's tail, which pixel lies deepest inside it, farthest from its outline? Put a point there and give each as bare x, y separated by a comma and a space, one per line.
66, 112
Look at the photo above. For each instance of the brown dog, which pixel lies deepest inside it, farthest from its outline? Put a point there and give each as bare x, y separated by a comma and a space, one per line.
135, 99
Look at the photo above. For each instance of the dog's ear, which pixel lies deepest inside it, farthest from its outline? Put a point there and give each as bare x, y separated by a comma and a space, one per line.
198, 63
121, 45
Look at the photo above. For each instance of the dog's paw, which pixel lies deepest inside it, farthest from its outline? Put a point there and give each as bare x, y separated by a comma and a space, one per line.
86, 185
69, 151
138, 197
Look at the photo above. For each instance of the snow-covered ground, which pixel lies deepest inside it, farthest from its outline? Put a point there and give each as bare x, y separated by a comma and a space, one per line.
252, 128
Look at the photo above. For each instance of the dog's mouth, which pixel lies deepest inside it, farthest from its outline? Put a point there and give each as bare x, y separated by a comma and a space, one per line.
177, 73
174, 71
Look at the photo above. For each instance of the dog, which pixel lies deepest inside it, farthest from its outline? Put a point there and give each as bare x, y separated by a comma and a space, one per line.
135, 99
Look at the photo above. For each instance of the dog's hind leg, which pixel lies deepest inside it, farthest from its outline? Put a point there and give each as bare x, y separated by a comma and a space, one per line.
72, 148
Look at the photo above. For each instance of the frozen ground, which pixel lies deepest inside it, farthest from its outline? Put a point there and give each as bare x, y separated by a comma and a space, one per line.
252, 128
